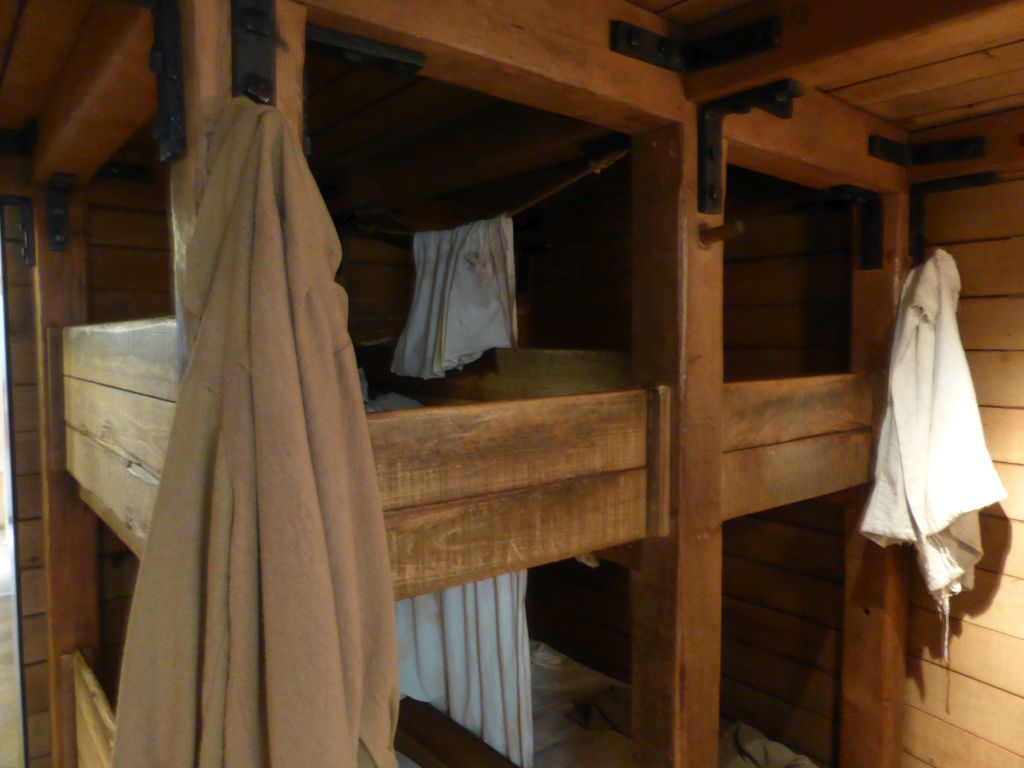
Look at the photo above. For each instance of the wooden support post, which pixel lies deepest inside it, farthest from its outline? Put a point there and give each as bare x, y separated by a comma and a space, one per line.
70, 529
206, 52
876, 590
677, 342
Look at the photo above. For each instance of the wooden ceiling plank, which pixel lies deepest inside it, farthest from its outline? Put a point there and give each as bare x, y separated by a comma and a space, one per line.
1004, 133
45, 33
694, 11
103, 96
832, 43
960, 69
962, 113
930, 101
554, 57
499, 141
351, 93
823, 144
423, 106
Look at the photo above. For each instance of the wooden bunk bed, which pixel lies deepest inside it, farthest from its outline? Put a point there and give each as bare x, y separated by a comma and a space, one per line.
661, 465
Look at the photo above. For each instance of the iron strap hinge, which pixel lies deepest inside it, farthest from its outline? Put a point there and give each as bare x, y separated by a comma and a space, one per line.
969, 148
774, 98
58, 217
253, 49
691, 56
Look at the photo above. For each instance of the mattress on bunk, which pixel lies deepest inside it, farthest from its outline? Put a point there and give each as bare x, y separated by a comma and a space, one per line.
562, 691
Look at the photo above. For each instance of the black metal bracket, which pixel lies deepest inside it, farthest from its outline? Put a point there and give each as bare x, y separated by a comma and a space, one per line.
679, 56
58, 219
969, 148
917, 204
165, 61
872, 222
360, 50
253, 44
775, 99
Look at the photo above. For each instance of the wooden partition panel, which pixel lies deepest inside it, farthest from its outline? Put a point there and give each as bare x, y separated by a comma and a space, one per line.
468, 491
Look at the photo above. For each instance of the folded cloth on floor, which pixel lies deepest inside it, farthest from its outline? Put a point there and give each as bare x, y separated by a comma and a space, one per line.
742, 746
464, 300
933, 470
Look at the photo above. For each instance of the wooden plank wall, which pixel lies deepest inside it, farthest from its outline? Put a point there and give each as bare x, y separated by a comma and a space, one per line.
787, 291
972, 714
787, 304
20, 307
129, 278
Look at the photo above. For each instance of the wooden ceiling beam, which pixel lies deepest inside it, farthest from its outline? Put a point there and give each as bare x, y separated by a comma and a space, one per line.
833, 43
1004, 135
552, 56
44, 34
103, 96
823, 144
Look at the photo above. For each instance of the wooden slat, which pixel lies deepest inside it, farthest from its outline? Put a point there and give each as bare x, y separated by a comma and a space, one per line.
831, 43
787, 546
94, 720
809, 689
44, 35
992, 323
982, 710
1004, 151
927, 102
810, 643
1012, 476
762, 478
980, 213
104, 95
990, 267
976, 652
556, 59
783, 590
438, 546
998, 377
947, 72
1004, 433
937, 744
127, 228
123, 498
776, 411
138, 356
502, 446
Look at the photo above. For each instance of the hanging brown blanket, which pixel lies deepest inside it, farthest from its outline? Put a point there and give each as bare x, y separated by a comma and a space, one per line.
262, 629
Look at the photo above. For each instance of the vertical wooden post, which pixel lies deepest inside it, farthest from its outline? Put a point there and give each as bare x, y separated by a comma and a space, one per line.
206, 52
70, 529
677, 342
876, 590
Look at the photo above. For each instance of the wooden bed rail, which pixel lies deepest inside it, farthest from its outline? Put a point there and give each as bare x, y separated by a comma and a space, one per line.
787, 440
469, 491
87, 716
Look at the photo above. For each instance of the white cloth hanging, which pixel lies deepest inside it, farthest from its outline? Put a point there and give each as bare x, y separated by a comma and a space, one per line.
466, 651
464, 301
933, 470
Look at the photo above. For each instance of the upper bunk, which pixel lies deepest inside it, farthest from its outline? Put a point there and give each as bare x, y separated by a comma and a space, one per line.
477, 489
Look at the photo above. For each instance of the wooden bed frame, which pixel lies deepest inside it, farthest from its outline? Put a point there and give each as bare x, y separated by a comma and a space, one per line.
665, 463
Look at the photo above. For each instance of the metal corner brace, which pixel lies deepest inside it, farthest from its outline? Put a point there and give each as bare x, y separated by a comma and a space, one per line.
774, 98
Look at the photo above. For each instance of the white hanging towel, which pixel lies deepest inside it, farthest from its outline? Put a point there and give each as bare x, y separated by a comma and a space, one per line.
464, 301
466, 651
933, 471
